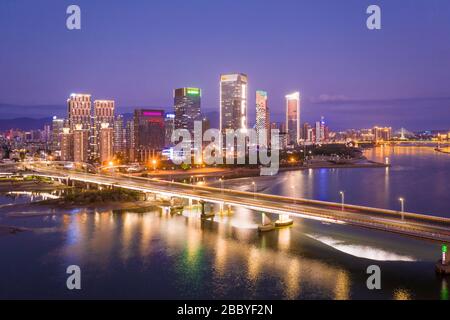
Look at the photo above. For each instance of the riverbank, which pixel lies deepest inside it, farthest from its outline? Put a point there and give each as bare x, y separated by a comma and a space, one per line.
443, 150
232, 173
29, 185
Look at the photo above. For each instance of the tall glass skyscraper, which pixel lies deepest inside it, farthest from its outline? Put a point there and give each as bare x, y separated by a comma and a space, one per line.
293, 118
187, 102
262, 117
233, 101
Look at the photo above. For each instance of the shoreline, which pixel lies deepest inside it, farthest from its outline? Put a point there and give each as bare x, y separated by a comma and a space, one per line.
251, 172
442, 151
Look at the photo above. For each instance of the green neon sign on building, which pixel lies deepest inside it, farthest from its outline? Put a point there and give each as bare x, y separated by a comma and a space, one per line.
193, 91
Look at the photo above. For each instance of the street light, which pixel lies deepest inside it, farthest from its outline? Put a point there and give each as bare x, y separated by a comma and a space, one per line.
154, 162
221, 185
342, 193
402, 206
293, 194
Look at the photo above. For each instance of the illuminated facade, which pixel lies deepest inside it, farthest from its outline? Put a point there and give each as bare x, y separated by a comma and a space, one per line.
119, 136
293, 118
149, 133
382, 134
169, 125
233, 101
187, 102
106, 143
57, 130
103, 113
262, 117
80, 144
79, 111
66, 145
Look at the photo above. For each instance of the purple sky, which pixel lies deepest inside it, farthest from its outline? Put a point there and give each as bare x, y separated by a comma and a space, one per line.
137, 52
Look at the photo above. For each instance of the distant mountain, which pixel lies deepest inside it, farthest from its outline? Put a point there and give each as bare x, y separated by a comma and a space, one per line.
11, 111
24, 123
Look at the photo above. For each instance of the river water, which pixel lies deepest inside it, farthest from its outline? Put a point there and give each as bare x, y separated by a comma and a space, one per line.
157, 256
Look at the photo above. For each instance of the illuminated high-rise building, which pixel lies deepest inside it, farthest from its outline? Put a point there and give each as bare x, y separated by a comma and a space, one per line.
169, 125
79, 111
103, 113
262, 117
66, 146
80, 144
233, 101
187, 102
382, 133
293, 118
57, 130
119, 136
106, 143
149, 133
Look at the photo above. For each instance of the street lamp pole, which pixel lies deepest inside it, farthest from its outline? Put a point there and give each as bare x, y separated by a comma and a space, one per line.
342, 193
402, 207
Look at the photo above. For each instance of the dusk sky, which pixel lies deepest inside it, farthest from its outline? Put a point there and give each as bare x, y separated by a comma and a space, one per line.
136, 52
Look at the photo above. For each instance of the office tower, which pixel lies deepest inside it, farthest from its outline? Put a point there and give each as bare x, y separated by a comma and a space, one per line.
79, 111
187, 103
169, 125
305, 130
47, 134
293, 118
318, 134
106, 143
129, 140
103, 113
119, 144
57, 129
233, 101
262, 117
206, 125
66, 145
382, 134
149, 133
80, 144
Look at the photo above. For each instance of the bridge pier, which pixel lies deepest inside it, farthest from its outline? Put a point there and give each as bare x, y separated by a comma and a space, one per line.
205, 215
284, 220
266, 225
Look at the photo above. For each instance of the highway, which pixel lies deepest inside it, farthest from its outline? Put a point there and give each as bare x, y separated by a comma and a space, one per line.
416, 225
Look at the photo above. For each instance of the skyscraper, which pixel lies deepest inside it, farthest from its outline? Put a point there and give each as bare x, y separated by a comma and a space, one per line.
129, 139
80, 144
106, 143
169, 125
119, 136
262, 117
66, 145
187, 102
103, 113
149, 133
79, 111
233, 101
57, 130
293, 118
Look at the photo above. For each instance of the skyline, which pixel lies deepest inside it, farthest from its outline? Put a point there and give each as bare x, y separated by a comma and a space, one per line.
323, 50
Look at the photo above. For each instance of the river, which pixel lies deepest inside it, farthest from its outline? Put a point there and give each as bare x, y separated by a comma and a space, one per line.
157, 256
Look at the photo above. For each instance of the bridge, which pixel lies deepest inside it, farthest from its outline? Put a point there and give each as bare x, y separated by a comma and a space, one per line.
411, 224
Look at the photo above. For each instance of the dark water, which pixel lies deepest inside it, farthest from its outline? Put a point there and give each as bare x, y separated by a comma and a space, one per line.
156, 256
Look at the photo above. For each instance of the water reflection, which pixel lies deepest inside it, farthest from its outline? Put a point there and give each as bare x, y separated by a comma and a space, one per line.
93, 238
